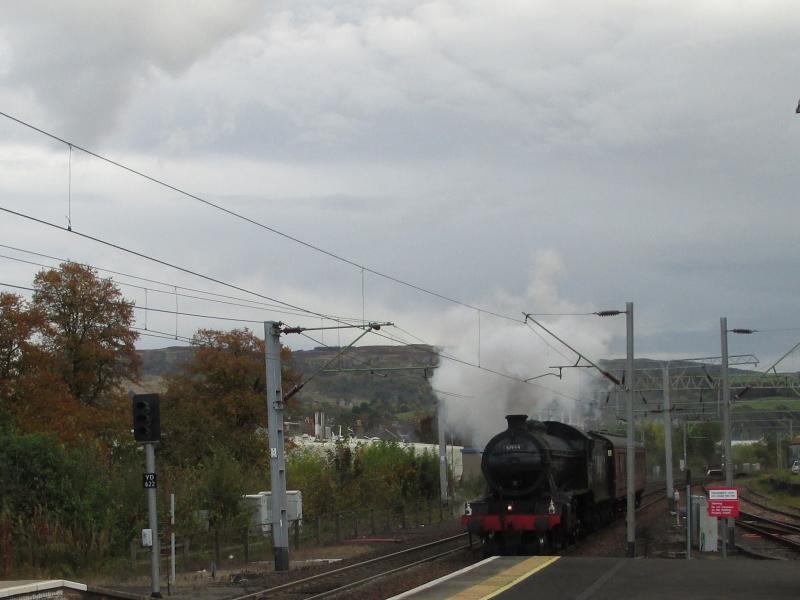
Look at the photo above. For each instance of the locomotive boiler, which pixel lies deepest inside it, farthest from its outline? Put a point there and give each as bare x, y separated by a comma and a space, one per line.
547, 483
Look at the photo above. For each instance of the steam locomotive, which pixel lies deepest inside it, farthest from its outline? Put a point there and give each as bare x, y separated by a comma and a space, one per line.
548, 483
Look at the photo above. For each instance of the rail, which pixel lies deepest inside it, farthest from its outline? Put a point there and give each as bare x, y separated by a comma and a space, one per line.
333, 573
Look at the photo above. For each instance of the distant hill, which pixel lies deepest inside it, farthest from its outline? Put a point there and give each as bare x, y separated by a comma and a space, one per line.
370, 380
394, 379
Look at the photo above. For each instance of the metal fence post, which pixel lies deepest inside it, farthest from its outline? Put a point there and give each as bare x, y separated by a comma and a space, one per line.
246, 546
430, 512
319, 530
338, 528
355, 523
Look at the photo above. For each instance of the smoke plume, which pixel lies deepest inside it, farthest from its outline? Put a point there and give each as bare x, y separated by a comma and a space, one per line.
475, 401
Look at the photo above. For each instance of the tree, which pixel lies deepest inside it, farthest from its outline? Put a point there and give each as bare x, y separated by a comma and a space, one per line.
221, 494
218, 400
32, 395
18, 323
88, 330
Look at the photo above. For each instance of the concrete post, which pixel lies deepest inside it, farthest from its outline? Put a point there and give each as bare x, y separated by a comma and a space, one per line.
668, 437
630, 464
152, 519
440, 417
726, 421
277, 460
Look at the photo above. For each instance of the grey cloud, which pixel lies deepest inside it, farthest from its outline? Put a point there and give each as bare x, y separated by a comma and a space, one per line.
653, 146
83, 61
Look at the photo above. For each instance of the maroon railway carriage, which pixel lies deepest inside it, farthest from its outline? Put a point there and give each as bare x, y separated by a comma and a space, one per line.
547, 483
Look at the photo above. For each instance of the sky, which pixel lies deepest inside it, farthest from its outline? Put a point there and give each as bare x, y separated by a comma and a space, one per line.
518, 157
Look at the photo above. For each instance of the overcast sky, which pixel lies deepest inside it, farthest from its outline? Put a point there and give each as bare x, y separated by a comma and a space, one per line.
519, 156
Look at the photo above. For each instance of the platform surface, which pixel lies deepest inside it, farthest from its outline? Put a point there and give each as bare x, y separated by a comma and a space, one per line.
518, 578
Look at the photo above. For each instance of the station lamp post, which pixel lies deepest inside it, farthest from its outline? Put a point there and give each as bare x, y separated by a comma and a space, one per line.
630, 386
726, 416
630, 458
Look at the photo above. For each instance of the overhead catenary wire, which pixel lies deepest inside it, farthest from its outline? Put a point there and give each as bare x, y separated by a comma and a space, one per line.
252, 221
580, 355
227, 284
254, 304
160, 310
364, 269
169, 336
164, 263
474, 365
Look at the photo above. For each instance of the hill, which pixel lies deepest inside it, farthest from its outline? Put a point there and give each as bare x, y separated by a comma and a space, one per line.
375, 385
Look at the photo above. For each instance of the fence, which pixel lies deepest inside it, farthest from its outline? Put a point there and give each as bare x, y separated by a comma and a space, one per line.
199, 549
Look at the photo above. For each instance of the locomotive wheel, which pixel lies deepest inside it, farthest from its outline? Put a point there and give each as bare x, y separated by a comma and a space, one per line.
490, 546
558, 538
543, 543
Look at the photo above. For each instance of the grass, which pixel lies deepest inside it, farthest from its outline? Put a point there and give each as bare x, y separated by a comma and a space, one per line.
763, 485
771, 403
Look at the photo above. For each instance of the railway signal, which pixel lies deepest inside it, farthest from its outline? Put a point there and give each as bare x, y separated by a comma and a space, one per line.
146, 418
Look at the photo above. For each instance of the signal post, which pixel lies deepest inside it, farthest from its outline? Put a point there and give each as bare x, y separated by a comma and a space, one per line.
147, 429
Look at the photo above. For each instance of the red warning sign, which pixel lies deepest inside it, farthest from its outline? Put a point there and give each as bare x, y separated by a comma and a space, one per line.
723, 502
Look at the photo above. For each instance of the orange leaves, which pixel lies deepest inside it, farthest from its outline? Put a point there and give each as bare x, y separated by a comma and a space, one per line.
88, 330
63, 355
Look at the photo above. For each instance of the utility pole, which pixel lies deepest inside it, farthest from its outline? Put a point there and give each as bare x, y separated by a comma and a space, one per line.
630, 465
171, 540
726, 422
685, 453
668, 437
152, 520
277, 460
440, 418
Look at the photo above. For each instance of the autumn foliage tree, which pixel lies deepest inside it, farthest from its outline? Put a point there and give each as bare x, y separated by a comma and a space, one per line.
64, 354
218, 399
18, 324
88, 330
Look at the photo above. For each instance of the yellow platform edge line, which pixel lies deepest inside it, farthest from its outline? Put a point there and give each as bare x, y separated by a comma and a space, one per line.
522, 577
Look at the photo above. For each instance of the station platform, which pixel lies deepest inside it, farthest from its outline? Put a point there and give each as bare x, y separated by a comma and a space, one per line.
550, 577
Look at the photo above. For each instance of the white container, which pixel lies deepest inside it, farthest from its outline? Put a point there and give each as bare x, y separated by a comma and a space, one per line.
708, 528
260, 506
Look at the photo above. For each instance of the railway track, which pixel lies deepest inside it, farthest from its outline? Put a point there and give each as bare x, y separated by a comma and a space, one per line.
653, 496
747, 498
784, 537
337, 581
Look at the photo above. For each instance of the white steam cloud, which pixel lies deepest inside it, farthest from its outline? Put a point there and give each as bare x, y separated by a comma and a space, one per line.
475, 402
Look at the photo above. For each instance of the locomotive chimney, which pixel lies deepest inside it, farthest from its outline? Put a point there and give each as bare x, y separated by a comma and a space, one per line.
516, 421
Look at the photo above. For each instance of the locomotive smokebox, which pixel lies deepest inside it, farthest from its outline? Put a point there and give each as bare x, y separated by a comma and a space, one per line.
514, 461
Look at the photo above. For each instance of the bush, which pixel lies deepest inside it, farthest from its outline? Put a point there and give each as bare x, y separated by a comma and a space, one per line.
382, 475
56, 504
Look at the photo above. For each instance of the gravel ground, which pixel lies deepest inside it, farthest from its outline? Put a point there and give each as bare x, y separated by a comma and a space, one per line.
305, 561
